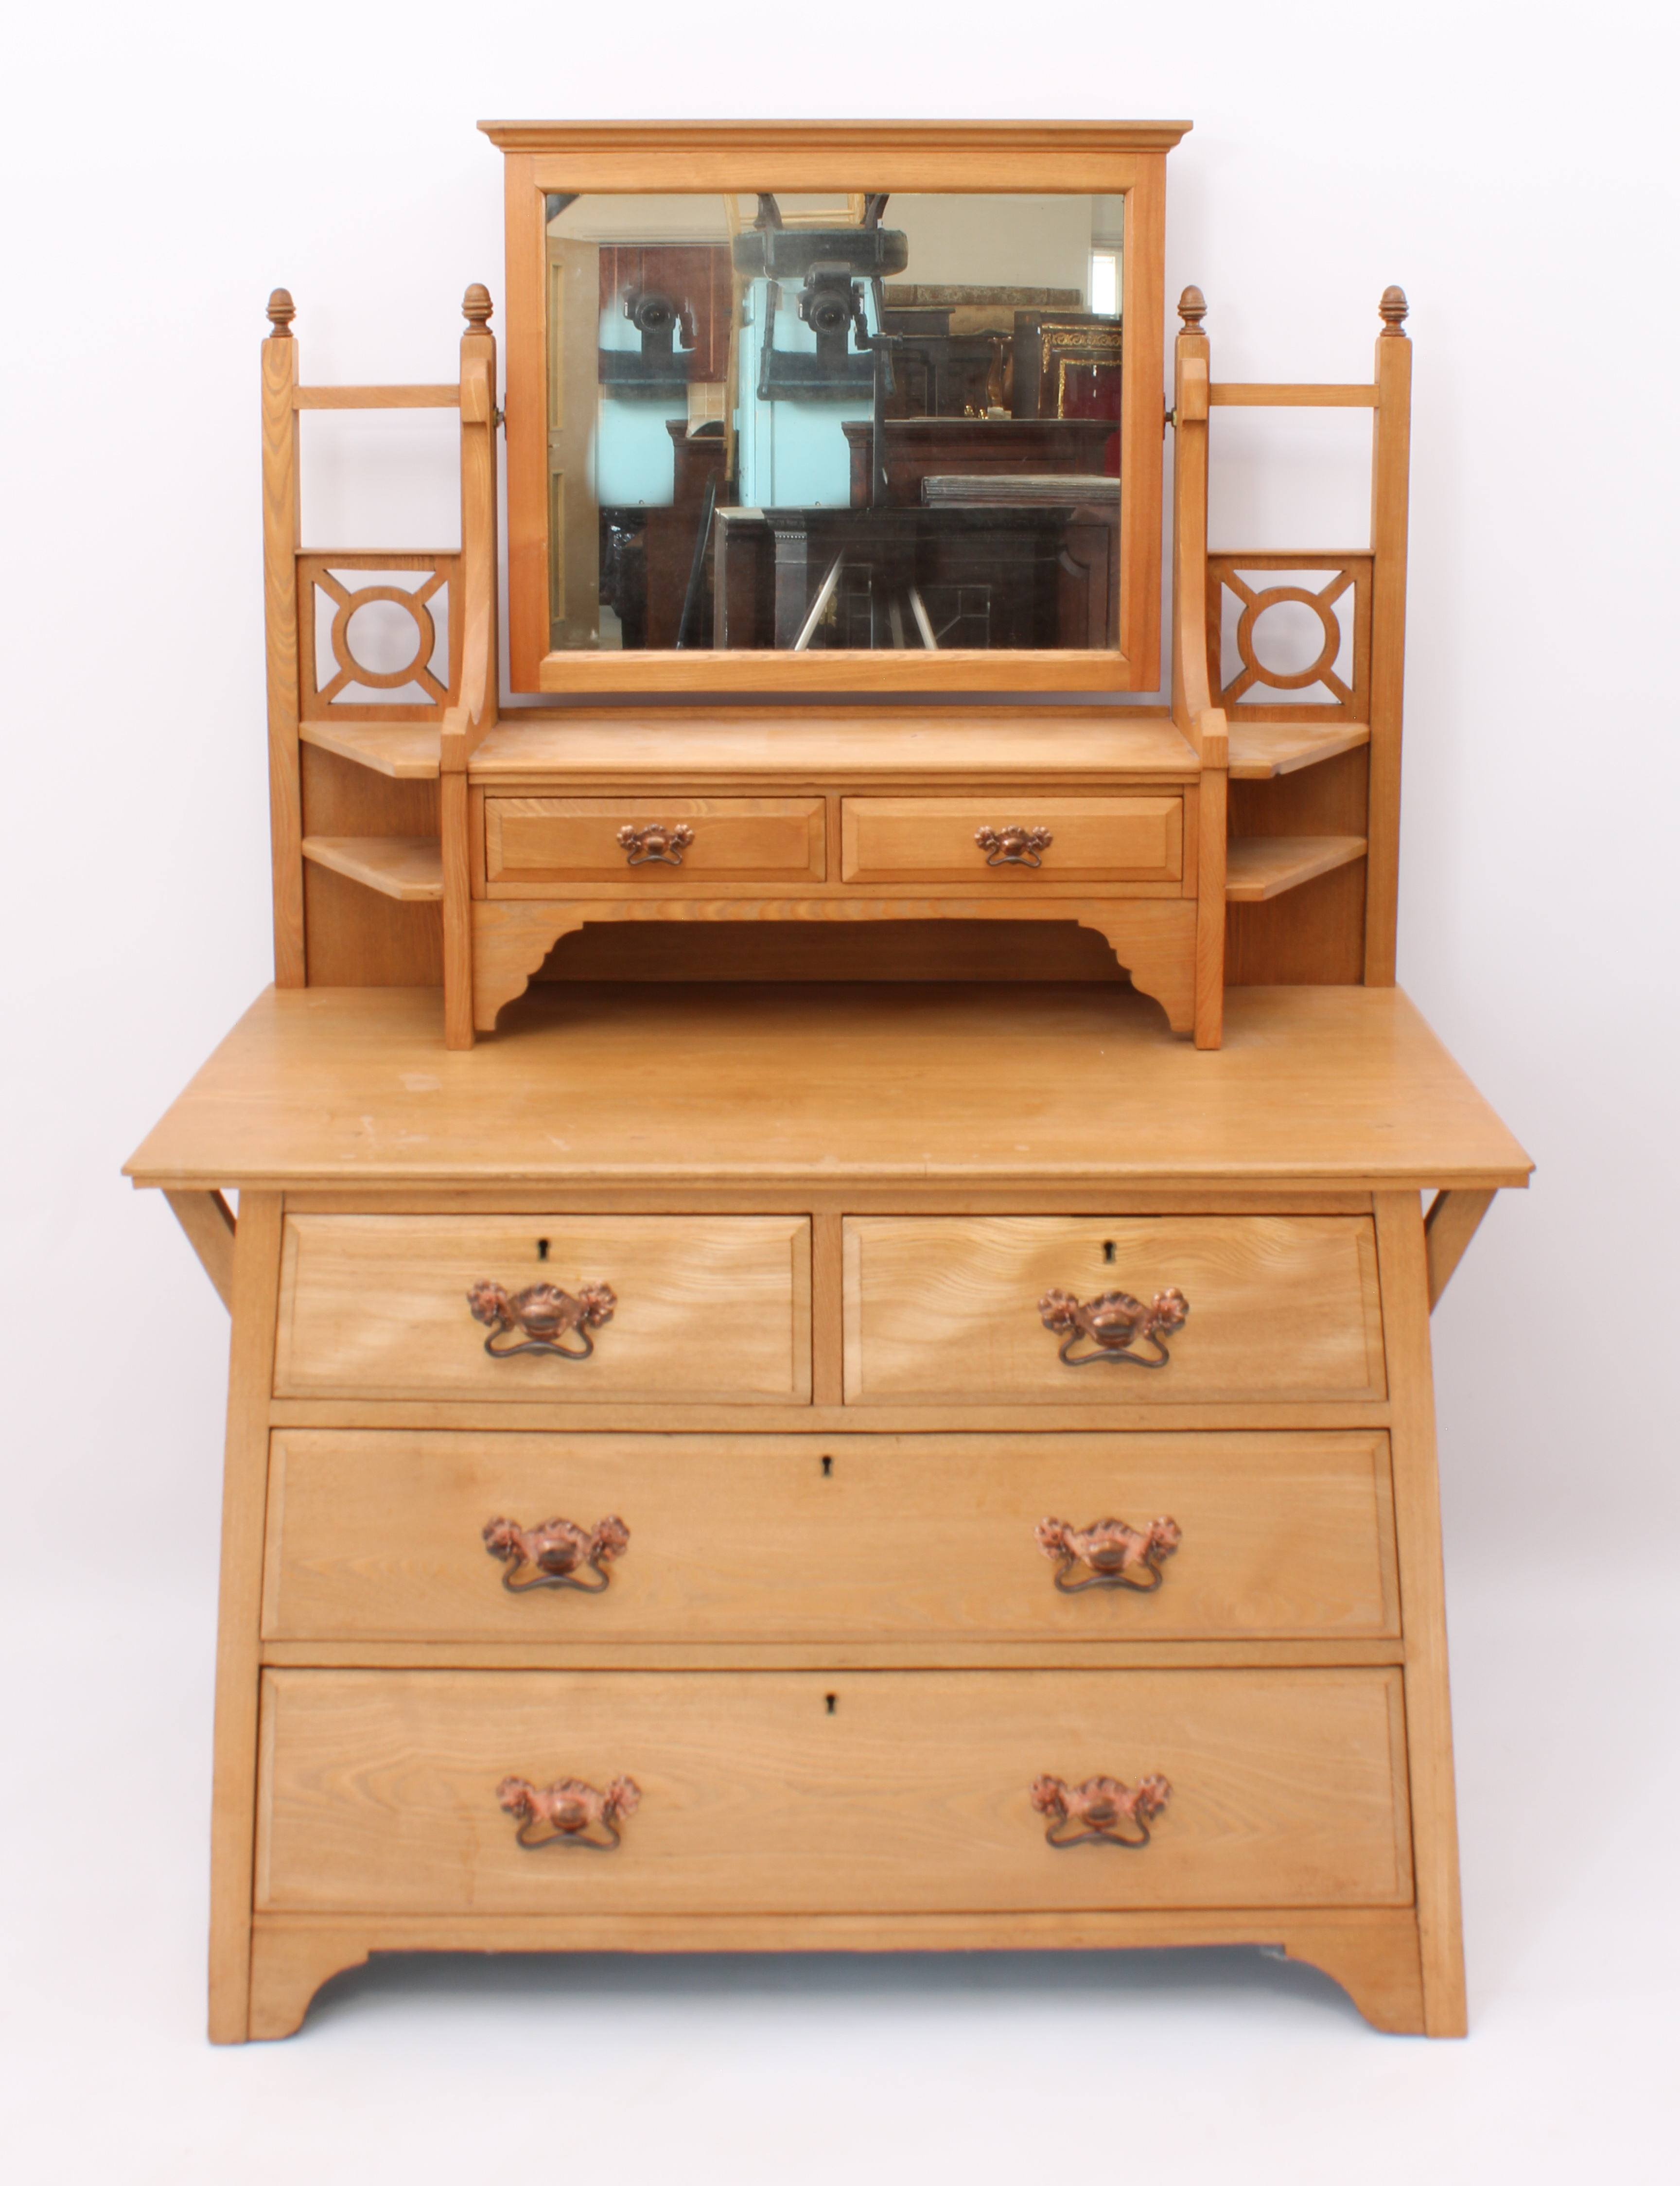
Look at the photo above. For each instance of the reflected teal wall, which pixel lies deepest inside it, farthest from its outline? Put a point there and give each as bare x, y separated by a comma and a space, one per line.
635, 466
793, 453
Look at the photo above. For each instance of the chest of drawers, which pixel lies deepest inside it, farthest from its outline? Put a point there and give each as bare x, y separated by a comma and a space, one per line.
916, 1528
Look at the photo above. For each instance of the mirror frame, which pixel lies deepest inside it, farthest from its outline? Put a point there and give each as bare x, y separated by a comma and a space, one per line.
1125, 158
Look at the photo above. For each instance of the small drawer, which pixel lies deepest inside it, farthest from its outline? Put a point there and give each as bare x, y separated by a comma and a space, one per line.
657, 1307
652, 840
1030, 1310
1011, 840
844, 1538
825, 1791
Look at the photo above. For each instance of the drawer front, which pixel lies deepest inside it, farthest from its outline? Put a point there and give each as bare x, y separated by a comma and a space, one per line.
707, 1308
948, 1309
542, 839
782, 1792
1089, 839
842, 1538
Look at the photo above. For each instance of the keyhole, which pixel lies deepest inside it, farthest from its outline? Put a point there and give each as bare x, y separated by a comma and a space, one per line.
1108, 1251
542, 1249
829, 1700
827, 1468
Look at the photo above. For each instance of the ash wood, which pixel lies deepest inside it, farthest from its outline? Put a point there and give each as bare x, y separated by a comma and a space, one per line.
256, 1268
364, 940
443, 396
778, 1086
827, 1285
1212, 893
1283, 394
378, 1789
1453, 1219
931, 838
208, 1221
815, 672
1391, 466
1347, 575
750, 1539
1193, 707
1372, 1955
1156, 941
1261, 866
531, 840
843, 745
1261, 751
941, 1308
406, 751
280, 622
407, 867
1404, 1260
457, 889
711, 1308
872, 1654
1315, 933
478, 686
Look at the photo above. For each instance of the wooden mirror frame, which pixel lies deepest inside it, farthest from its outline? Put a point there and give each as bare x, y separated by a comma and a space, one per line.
1126, 159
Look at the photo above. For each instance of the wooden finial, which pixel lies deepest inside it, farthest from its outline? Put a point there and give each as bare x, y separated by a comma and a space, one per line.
1394, 308
477, 304
1192, 309
282, 310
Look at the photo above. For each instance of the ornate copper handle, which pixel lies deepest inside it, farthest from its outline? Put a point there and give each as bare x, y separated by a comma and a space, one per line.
555, 1551
1097, 1809
543, 1314
1114, 1322
1114, 1553
1014, 846
655, 845
567, 1810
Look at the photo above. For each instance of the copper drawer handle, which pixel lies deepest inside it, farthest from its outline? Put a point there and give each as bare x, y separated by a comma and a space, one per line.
655, 845
543, 1314
555, 1551
1114, 1322
1098, 1808
1111, 1551
1014, 846
569, 1809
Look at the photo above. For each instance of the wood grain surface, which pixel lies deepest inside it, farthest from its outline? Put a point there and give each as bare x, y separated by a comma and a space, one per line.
815, 1087
943, 1308
932, 838
708, 1307
378, 1789
776, 1538
532, 839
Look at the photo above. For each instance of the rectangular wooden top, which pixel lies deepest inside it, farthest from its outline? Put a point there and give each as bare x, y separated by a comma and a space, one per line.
334, 1088
1058, 745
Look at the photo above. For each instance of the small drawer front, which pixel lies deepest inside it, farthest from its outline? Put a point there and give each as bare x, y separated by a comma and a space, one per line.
652, 840
842, 1538
952, 1309
705, 1309
1011, 840
835, 1792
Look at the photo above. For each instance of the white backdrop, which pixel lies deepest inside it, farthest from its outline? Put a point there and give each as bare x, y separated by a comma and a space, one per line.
1511, 167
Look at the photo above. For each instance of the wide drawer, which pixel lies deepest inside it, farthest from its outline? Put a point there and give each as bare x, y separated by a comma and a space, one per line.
844, 1538
651, 839
953, 1309
970, 839
773, 1791
704, 1307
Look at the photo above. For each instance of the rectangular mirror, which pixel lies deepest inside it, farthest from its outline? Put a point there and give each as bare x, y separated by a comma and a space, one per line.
877, 437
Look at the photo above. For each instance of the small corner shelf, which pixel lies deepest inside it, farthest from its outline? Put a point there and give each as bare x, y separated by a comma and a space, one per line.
408, 751
1260, 867
1263, 750
408, 868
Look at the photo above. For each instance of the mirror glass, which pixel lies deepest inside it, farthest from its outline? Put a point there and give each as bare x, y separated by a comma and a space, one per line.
777, 420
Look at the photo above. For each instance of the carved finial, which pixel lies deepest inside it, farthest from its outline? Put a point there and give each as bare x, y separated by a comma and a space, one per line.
282, 310
476, 306
1394, 308
1192, 309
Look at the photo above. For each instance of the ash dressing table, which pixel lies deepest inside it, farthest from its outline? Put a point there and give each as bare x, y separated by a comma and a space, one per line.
889, 1405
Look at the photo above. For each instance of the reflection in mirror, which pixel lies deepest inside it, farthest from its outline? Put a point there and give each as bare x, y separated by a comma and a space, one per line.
787, 420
